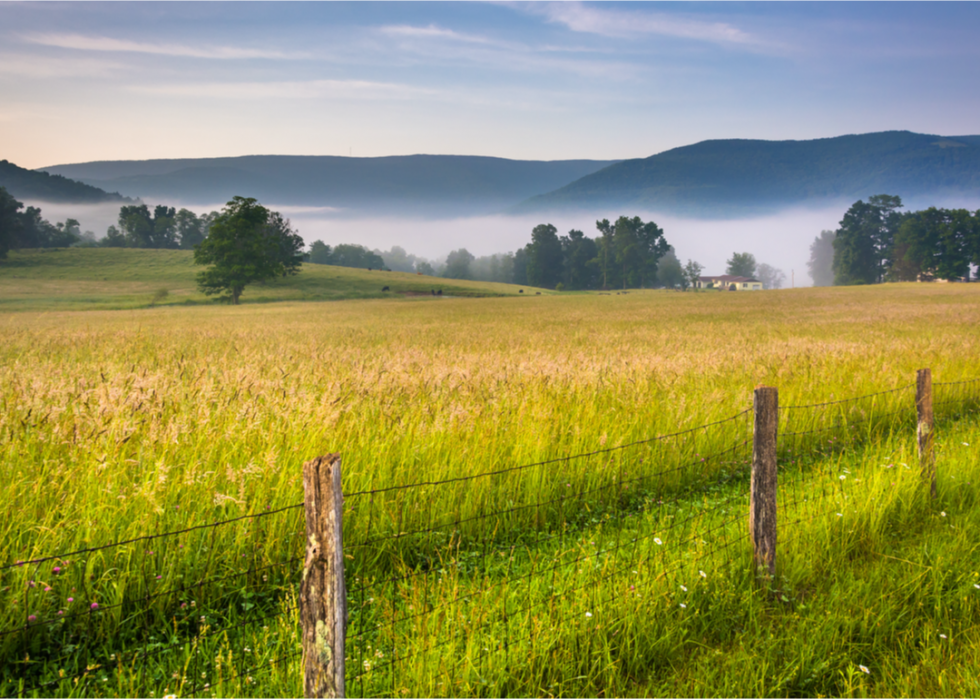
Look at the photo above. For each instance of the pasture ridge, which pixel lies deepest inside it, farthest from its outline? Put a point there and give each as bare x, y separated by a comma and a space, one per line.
442, 600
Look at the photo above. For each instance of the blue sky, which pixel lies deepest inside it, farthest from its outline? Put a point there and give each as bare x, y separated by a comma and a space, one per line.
95, 81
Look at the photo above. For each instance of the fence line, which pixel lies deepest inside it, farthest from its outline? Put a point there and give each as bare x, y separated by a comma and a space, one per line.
626, 502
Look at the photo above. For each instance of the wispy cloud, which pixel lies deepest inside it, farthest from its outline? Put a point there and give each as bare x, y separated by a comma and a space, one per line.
289, 89
434, 32
107, 44
623, 24
25, 66
448, 46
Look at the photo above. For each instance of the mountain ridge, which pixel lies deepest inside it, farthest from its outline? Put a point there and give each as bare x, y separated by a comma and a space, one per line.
746, 176
467, 184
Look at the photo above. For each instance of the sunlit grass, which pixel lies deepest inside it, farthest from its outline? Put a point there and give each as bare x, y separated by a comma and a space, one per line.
130, 423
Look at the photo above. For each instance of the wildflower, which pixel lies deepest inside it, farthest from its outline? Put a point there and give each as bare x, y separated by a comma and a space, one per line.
95, 605
703, 574
47, 589
657, 541
684, 588
56, 570
683, 606
843, 477
159, 577
942, 514
588, 614
70, 600
32, 618
966, 444
863, 669
976, 586
183, 605
942, 635
60, 612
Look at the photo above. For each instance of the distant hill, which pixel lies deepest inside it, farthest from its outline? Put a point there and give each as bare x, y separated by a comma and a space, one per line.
433, 184
31, 184
726, 178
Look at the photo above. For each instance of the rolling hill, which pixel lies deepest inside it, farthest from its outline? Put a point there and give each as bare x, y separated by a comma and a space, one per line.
115, 278
425, 184
22, 183
726, 178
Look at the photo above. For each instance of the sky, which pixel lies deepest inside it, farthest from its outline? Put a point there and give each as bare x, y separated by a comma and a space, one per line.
84, 81
97, 81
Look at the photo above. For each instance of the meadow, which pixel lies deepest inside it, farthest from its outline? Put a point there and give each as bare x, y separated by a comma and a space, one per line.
545, 580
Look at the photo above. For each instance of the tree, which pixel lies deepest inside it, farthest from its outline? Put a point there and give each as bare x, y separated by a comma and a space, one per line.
190, 229
821, 262
741, 264
544, 257
670, 274
458, 264
319, 253
605, 245
692, 271
578, 254
245, 245
424, 267
9, 221
770, 277
863, 247
520, 265
113, 238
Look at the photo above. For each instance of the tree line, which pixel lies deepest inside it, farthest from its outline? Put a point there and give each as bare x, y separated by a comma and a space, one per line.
877, 243
164, 228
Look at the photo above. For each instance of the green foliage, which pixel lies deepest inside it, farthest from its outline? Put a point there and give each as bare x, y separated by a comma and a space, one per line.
544, 257
670, 274
741, 264
458, 264
581, 268
26, 229
247, 243
692, 270
821, 262
345, 255
863, 246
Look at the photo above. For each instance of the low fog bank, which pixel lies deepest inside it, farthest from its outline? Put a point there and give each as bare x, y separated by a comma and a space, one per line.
782, 241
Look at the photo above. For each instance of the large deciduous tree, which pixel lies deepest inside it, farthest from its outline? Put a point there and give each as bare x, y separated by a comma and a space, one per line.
741, 264
247, 243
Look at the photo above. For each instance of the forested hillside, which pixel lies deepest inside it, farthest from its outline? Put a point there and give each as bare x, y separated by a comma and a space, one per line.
30, 184
735, 177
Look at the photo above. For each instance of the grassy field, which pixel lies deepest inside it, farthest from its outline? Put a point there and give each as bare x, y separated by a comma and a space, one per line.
625, 572
121, 278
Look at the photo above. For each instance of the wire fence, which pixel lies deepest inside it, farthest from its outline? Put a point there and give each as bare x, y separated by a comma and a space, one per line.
449, 582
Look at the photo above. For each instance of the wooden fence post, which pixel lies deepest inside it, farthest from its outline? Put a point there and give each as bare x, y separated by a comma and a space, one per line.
762, 508
924, 432
322, 596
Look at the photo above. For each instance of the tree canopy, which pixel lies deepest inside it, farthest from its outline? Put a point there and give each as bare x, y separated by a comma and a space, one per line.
247, 243
741, 264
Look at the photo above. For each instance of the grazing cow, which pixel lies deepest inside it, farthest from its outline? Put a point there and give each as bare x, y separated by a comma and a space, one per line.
520, 291
386, 289
439, 293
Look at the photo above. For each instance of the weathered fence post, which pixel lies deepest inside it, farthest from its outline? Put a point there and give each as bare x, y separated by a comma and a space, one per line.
924, 432
322, 596
762, 508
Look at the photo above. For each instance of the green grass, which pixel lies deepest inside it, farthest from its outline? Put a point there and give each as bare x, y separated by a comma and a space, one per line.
120, 278
124, 423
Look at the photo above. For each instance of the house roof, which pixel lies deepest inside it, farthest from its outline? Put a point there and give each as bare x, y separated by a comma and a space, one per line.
727, 278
